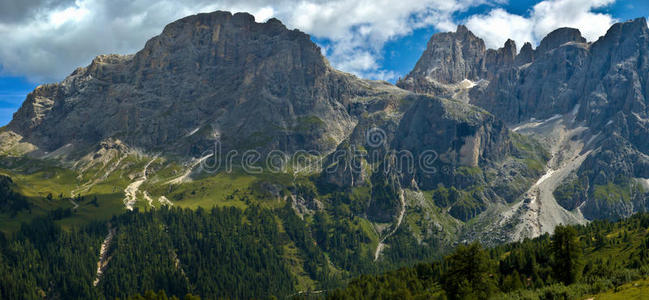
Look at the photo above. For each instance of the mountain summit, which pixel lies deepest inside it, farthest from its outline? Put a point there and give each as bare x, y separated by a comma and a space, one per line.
206, 77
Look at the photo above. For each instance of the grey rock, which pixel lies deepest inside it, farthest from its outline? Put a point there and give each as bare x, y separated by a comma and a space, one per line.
559, 37
449, 58
498, 59
206, 77
602, 83
526, 55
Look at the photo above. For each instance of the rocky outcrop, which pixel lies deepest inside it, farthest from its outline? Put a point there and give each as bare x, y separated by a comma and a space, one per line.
525, 56
497, 59
546, 83
463, 135
449, 58
456, 61
558, 38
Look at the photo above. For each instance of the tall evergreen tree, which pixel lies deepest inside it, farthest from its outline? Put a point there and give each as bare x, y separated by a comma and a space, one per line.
469, 273
567, 252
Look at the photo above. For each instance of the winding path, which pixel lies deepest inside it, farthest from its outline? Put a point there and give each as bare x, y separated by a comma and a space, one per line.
130, 192
381, 244
103, 254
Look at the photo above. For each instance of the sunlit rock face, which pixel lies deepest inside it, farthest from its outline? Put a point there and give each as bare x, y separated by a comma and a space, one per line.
206, 77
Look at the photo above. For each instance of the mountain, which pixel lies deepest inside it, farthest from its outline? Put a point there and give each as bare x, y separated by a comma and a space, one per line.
585, 101
357, 175
224, 79
205, 77
327, 175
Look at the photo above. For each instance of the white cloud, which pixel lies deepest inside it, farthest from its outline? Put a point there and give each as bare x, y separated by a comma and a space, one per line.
46, 39
48, 42
359, 29
70, 14
498, 25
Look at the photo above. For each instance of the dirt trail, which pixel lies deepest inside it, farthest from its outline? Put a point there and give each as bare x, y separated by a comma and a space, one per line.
103, 254
185, 176
130, 192
381, 245
75, 204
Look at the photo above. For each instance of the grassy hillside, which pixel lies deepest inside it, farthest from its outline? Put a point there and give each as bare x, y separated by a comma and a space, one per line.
321, 237
633, 290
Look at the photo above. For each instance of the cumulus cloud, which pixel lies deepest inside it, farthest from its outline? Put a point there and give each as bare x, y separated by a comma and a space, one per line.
498, 25
359, 29
46, 39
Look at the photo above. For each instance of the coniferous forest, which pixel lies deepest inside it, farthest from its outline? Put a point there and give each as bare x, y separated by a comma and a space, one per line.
574, 262
219, 253
229, 252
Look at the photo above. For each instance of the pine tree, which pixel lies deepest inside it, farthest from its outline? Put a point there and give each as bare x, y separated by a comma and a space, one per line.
567, 252
469, 273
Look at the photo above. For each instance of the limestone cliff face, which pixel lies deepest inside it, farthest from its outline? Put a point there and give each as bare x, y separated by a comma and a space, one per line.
431, 142
205, 77
449, 58
474, 153
602, 86
455, 61
548, 86
461, 134
497, 59
603, 78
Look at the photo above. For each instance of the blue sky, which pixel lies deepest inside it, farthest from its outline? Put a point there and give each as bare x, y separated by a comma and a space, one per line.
373, 39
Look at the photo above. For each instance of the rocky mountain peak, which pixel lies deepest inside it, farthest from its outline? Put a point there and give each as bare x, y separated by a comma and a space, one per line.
497, 59
449, 58
526, 55
454, 57
635, 26
213, 38
462, 30
214, 75
510, 45
559, 37
623, 39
